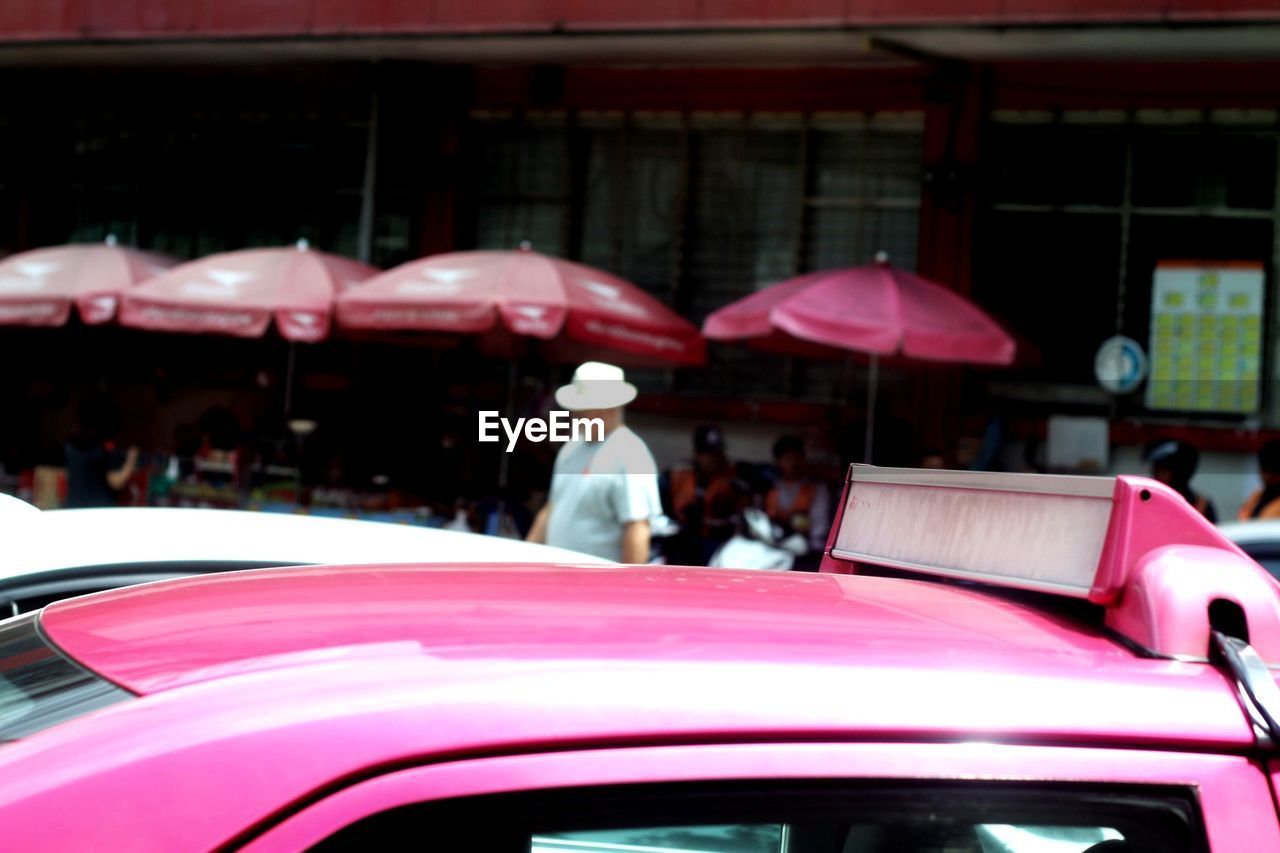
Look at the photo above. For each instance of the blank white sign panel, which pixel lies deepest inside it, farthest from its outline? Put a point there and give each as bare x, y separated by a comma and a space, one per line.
1018, 530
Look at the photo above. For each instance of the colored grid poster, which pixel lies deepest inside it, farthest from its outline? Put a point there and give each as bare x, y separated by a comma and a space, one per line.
1206, 337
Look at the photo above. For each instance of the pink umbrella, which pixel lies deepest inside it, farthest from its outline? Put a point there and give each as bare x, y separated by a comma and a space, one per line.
875, 309
524, 293
239, 293
38, 288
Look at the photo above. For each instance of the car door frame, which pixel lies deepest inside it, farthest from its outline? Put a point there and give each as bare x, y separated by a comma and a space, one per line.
1233, 791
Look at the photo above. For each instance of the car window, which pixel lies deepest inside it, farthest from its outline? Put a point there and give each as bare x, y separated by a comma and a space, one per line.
726, 838
773, 818
39, 687
776, 838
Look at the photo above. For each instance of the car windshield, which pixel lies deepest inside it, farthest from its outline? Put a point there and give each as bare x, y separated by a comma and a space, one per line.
39, 687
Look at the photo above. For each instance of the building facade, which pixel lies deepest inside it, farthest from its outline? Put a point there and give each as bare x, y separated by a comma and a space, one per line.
1046, 158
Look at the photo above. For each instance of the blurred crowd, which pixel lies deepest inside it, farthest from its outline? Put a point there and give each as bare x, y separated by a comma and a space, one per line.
701, 503
706, 497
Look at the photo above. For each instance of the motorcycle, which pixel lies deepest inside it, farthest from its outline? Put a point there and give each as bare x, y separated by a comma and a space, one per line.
759, 544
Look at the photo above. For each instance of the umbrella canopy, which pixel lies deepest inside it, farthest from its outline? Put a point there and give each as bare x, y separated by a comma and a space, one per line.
240, 293
875, 309
38, 288
523, 293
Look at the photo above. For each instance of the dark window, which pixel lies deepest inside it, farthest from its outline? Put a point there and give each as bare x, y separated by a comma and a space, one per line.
700, 209
232, 161
39, 687
764, 817
1067, 260
1081, 207
524, 187
631, 201
1071, 164
1204, 167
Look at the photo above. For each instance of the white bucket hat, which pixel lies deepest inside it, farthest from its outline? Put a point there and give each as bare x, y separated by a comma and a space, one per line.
596, 385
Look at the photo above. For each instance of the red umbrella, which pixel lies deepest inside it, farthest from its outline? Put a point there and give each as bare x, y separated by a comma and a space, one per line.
38, 288
523, 293
239, 293
875, 309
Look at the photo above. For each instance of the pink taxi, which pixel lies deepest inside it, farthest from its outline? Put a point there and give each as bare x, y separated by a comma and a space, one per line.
987, 664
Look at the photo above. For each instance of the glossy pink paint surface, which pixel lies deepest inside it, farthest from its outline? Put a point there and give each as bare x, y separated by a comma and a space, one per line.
267, 685
1161, 566
1166, 605
165, 635
1146, 516
1232, 791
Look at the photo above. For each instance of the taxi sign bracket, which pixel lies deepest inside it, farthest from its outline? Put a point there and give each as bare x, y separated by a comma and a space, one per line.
1254, 682
1129, 544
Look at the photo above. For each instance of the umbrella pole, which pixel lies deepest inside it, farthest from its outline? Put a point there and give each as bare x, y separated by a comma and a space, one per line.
288, 378
504, 461
873, 379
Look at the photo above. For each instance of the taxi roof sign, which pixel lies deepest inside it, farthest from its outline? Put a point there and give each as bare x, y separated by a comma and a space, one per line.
1168, 580
1036, 532
1068, 535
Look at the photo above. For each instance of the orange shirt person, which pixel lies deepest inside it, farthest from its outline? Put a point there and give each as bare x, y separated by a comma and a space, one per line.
1265, 502
703, 494
704, 498
797, 503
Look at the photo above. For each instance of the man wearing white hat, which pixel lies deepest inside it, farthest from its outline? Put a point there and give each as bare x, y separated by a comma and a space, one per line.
603, 493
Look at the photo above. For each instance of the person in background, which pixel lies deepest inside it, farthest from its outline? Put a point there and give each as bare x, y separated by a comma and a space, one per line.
981, 443
1265, 502
1174, 464
96, 471
797, 503
704, 498
603, 493
932, 458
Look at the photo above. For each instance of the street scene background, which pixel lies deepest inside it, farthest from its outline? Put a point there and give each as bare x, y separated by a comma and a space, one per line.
1076, 173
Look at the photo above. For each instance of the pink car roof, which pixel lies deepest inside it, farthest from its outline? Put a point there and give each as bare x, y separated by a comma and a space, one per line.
268, 686
655, 650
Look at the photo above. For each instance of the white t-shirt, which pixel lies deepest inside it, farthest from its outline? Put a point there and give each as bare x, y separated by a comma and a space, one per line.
597, 487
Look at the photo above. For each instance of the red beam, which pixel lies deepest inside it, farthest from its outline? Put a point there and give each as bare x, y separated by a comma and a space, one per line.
1122, 85
81, 20
780, 89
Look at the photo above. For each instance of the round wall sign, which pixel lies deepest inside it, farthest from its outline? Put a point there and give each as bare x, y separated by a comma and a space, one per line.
1120, 365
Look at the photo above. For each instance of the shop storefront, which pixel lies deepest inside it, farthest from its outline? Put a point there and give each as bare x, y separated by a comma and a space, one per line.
1055, 183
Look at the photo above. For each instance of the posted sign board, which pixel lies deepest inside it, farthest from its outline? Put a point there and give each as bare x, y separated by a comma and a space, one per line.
1206, 337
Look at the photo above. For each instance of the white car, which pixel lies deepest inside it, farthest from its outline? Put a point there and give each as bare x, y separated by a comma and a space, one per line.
56, 554
1258, 539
